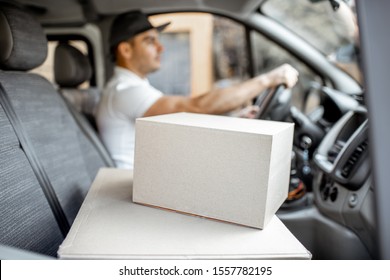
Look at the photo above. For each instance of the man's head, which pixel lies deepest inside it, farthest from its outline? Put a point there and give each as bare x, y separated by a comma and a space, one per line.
134, 42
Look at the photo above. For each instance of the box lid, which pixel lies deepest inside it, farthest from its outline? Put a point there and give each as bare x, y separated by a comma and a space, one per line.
220, 122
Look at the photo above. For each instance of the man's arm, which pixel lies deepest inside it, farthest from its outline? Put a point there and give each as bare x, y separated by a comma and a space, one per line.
223, 100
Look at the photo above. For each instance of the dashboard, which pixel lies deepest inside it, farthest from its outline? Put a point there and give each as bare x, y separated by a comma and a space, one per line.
343, 185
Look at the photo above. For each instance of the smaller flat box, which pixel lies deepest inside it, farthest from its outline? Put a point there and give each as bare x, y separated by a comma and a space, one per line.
110, 226
230, 169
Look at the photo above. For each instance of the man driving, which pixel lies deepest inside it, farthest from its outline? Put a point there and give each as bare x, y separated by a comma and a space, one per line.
136, 50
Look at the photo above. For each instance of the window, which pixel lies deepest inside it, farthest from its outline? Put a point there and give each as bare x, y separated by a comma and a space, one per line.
334, 32
201, 51
176, 60
229, 52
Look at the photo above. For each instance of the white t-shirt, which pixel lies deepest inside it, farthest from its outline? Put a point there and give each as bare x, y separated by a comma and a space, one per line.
125, 98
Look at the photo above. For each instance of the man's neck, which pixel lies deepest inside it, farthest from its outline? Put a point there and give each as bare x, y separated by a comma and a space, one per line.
132, 69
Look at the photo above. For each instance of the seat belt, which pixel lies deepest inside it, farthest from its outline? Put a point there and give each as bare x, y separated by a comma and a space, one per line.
36, 165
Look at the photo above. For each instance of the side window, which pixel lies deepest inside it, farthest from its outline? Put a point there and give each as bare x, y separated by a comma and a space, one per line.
229, 52
47, 68
339, 30
174, 77
268, 55
201, 51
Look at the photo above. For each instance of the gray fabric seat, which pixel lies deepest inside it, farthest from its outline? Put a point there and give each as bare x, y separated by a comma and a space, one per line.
68, 157
26, 218
71, 69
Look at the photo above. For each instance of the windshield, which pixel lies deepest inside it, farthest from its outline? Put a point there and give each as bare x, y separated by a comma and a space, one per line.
331, 30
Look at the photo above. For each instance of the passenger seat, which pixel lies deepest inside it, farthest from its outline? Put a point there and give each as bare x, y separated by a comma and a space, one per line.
71, 69
65, 157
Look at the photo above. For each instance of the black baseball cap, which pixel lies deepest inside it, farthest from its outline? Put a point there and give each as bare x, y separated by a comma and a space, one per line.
127, 25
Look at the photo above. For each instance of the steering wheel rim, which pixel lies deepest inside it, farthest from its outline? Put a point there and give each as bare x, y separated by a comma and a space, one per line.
267, 98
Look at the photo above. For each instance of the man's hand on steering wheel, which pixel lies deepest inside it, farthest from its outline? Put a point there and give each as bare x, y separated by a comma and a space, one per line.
283, 75
280, 79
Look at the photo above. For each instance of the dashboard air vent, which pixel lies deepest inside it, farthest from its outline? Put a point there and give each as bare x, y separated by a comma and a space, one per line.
349, 165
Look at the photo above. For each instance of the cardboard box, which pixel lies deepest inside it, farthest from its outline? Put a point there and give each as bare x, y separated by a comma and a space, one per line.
110, 226
230, 169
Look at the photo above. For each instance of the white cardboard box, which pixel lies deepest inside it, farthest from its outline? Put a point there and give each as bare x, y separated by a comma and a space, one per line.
230, 169
110, 226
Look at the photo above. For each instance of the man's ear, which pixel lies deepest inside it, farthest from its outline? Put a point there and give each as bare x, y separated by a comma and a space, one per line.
125, 50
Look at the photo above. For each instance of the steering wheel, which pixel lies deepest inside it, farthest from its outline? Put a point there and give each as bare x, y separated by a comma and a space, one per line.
274, 103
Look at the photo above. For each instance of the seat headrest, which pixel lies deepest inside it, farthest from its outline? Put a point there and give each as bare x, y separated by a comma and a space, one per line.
23, 44
71, 66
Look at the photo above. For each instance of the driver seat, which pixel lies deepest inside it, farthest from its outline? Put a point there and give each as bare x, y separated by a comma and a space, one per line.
35, 215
